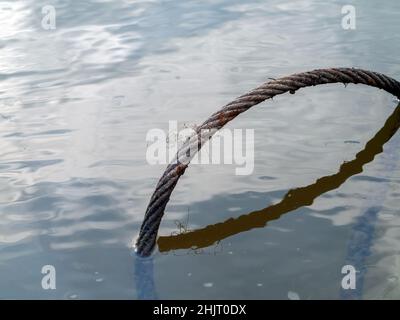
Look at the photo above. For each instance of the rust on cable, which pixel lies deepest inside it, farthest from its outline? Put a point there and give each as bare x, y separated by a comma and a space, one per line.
158, 202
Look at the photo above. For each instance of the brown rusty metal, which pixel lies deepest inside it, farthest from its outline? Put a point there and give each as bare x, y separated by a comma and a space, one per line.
155, 210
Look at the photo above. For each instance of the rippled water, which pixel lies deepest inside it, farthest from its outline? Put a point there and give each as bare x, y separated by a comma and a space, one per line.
76, 104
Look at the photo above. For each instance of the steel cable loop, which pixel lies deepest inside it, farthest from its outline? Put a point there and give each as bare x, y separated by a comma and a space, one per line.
155, 210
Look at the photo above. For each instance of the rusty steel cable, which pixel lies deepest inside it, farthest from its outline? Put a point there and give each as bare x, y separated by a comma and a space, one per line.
155, 209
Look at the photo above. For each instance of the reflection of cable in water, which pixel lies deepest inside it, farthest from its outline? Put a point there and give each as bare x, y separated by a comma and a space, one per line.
293, 200
144, 278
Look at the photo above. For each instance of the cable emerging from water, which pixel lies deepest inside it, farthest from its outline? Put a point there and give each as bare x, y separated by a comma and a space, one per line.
155, 210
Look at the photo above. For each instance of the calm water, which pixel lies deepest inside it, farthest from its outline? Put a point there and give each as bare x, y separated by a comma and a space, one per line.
76, 104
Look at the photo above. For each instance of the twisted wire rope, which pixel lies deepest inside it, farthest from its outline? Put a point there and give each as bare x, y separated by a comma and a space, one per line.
156, 207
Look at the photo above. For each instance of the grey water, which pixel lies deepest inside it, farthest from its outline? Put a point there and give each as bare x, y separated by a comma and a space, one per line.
77, 101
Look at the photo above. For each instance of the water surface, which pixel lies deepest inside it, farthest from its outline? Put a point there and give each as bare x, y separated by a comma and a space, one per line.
76, 104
